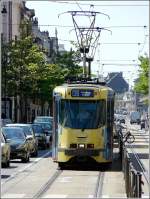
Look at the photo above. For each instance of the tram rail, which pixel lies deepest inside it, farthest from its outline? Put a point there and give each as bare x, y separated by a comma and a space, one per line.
48, 184
99, 185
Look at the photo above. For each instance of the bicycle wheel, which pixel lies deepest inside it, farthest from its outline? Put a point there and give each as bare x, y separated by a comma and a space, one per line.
130, 139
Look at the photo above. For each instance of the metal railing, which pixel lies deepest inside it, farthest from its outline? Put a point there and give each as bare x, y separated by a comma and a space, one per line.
133, 178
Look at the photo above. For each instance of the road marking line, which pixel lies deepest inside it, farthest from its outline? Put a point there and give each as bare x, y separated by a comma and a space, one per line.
13, 195
91, 196
55, 196
120, 196
105, 196
65, 179
26, 167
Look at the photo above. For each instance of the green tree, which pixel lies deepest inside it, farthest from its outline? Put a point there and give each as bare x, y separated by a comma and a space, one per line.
70, 61
51, 76
29, 76
142, 84
25, 60
27, 73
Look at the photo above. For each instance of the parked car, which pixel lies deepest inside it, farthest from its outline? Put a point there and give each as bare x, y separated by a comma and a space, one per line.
40, 135
19, 146
48, 119
5, 152
47, 130
143, 121
119, 118
142, 124
135, 117
33, 142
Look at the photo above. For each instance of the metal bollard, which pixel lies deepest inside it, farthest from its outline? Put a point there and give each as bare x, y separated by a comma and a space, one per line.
123, 159
127, 180
139, 184
124, 164
132, 176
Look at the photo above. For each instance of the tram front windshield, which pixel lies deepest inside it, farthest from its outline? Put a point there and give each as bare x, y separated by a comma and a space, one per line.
82, 114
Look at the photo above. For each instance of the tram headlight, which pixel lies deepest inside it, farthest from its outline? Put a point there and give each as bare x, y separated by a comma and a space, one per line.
73, 145
90, 146
81, 145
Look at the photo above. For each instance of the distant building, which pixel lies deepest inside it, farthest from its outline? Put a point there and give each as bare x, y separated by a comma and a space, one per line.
116, 81
12, 13
49, 45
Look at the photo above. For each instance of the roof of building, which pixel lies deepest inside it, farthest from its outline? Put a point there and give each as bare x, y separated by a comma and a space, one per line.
116, 81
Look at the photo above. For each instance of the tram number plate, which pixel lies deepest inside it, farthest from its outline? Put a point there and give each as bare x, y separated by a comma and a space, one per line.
82, 152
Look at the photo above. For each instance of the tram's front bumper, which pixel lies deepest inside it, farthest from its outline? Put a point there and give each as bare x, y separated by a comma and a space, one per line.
99, 155
81, 152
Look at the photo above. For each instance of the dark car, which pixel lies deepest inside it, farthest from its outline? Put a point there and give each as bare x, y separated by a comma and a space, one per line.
19, 146
120, 118
28, 131
47, 130
40, 135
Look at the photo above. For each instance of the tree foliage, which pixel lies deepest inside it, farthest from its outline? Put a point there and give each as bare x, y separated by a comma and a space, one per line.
24, 62
141, 85
27, 72
69, 61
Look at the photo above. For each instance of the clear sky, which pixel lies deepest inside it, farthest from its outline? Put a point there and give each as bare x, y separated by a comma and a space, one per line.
117, 52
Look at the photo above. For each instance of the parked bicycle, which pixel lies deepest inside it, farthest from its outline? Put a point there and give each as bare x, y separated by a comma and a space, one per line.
127, 137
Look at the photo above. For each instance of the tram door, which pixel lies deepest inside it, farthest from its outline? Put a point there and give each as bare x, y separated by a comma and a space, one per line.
56, 105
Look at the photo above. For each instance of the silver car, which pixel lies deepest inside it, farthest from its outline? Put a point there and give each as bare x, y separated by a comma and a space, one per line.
30, 135
19, 146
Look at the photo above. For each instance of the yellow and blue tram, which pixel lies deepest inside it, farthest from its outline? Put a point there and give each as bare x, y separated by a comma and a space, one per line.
83, 122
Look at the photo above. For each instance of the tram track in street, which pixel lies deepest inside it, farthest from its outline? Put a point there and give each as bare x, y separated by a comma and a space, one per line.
99, 185
26, 167
48, 184
43, 191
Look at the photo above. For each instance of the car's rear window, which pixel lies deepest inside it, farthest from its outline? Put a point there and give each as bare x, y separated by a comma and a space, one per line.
37, 129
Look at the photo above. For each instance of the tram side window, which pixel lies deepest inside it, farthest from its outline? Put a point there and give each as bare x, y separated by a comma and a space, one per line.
101, 111
110, 110
62, 112
66, 115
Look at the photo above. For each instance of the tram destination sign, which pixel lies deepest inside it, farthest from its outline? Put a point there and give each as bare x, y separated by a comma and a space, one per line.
82, 93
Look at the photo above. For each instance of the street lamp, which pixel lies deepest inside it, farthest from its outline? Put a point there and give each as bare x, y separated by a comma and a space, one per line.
4, 58
4, 11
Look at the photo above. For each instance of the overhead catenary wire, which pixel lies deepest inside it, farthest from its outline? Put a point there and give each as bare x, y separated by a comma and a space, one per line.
118, 64
85, 4
108, 43
129, 60
69, 26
